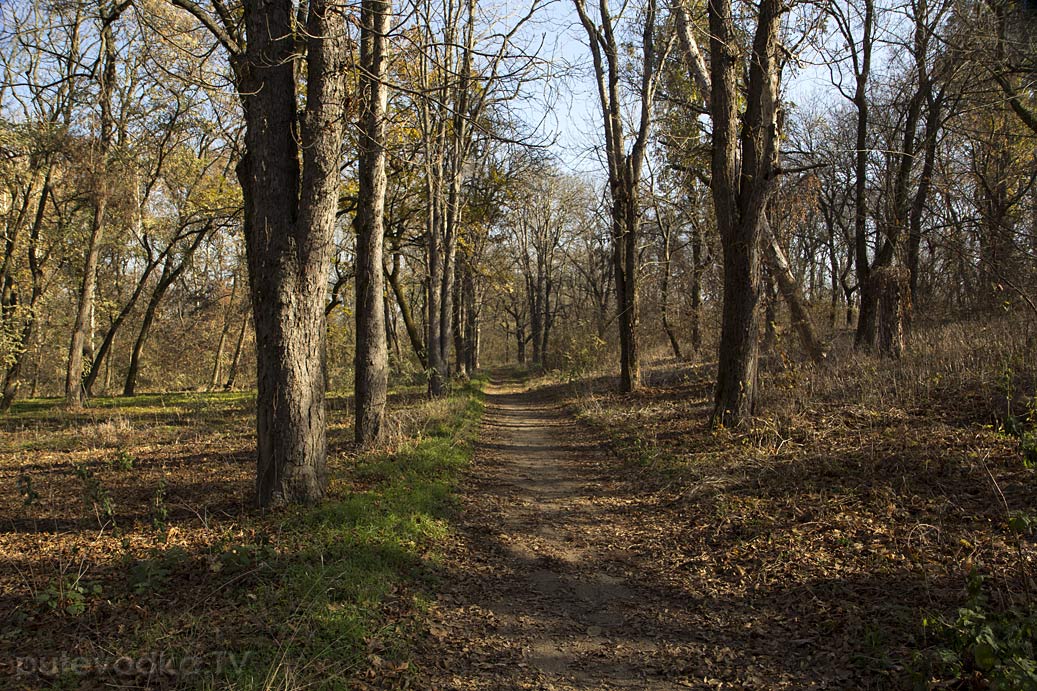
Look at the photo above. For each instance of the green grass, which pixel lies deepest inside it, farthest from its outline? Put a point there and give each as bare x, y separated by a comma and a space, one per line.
339, 563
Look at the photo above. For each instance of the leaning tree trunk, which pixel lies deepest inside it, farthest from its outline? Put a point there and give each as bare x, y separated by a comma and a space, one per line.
103, 353
372, 357
664, 297
170, 273
802, 321
235, 360
406, 313
133, 370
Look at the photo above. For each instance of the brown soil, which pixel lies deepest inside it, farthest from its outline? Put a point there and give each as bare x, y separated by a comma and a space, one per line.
545, 592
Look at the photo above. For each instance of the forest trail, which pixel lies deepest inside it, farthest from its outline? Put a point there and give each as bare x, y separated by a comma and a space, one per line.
541, 594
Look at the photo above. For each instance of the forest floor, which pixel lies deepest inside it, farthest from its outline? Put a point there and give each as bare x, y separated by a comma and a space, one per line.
132, 557
876, 539
874, 528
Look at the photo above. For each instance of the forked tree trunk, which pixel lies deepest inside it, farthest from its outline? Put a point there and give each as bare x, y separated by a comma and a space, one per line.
741, 185
372, 357
624, 167
289, 221
170, 273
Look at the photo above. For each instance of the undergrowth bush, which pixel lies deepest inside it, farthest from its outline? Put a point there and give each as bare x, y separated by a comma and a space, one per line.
986, 648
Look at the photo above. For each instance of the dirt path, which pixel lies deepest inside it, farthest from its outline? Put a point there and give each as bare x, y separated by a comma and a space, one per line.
542, 594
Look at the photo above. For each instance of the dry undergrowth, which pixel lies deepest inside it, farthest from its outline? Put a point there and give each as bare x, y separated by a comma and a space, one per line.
854, 512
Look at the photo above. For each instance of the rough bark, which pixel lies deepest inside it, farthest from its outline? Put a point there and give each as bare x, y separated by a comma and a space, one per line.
866, 316
894, 302
372, 357
289, 220
741, 185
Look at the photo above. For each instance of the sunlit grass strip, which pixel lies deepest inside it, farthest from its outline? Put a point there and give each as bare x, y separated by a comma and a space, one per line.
339, 562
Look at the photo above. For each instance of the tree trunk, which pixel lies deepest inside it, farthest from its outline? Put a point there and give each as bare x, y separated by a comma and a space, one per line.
738, 359
221, 346
894, 302
27, 337
741, 185
74, 391
698, 266
802, 321
170, 273
130, 386
471, 323
235, 360
406, 313
866, 315
536, 315
664, 297
520, 343
289, 223
372, 357
625, 265
436, 367
109, 337
459, 322
624, 167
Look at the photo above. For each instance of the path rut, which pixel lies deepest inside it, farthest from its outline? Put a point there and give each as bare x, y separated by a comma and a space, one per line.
542, 594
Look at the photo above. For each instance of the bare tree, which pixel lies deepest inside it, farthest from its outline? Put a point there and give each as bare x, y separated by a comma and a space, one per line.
106, 85
624, 165
744, 166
